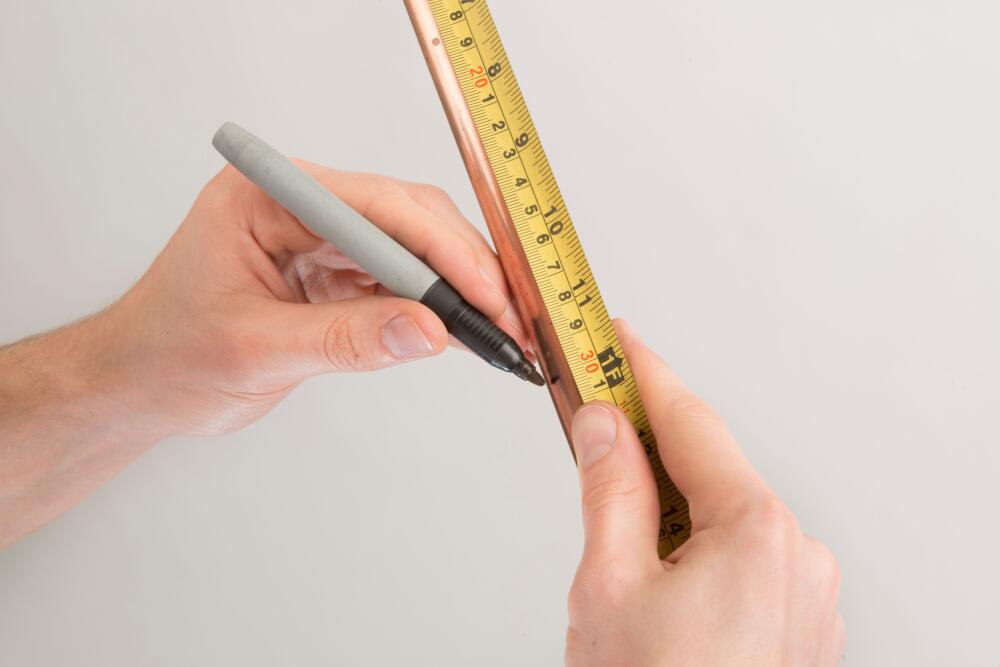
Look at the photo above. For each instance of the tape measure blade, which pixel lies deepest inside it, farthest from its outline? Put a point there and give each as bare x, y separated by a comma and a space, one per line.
502, 228
532, 229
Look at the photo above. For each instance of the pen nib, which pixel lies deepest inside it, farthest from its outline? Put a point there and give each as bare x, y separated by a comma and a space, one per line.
526, 371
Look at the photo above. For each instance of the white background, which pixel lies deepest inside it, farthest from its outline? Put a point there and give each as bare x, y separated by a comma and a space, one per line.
796, 203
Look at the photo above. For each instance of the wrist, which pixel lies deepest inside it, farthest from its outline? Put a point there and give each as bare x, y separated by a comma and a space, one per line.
66, 424
79, 374
109, 377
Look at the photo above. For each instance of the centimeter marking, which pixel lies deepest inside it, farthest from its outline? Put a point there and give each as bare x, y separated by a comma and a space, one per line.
547, 235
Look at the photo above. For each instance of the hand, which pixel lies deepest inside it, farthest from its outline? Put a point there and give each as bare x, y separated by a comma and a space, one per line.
748, 588
241, 306
245, 302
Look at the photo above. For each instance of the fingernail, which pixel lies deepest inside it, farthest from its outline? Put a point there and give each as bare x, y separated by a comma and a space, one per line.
625, 327
492, 283
405, 339
627, 331
595, 430
362, 279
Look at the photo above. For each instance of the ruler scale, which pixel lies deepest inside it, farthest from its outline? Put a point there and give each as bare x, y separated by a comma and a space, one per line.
535, 239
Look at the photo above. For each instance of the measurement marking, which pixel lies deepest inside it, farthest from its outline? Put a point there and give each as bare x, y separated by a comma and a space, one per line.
562, 247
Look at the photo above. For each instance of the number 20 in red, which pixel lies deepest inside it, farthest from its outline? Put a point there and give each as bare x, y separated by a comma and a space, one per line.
481, 82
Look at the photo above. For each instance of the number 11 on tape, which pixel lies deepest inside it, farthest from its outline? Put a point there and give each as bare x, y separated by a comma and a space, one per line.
535, 238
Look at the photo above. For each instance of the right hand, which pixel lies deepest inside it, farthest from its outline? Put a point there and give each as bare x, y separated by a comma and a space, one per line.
748, 588
245, 302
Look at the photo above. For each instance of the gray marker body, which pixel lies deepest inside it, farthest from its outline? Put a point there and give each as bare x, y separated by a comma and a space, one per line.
372, 249
326, 215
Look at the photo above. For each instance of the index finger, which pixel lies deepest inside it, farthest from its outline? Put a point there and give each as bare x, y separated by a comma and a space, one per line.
698, 451
387, 204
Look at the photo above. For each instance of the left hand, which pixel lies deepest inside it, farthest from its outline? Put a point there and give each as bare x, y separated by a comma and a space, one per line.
748, 588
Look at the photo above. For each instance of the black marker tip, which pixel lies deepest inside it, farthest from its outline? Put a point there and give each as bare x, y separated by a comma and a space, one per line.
526, 371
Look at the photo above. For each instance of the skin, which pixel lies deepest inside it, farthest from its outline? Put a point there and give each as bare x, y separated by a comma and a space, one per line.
244, 303
748, 587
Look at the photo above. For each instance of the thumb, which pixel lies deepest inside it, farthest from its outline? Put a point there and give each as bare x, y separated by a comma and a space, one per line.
360, 334
620, 504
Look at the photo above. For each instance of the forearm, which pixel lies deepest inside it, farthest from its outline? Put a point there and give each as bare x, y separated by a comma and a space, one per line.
66, 423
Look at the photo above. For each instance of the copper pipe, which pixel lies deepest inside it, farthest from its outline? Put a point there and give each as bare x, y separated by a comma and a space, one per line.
530, 306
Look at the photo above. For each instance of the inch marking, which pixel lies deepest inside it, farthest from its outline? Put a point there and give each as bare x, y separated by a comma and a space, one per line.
546, 232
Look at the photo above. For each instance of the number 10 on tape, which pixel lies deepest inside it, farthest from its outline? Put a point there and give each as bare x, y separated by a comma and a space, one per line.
534, 235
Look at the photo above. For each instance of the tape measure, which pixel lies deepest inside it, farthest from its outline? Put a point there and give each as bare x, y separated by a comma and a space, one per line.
534, 235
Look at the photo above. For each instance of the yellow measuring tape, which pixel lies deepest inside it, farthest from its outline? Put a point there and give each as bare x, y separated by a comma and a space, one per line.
522, 190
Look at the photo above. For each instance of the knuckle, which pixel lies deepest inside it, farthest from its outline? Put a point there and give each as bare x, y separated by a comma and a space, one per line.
228, 176
609, 494
434, 194
771, 527
227, 195
391, 188
689, 407
385, 184
345, 345
384, 191
223, 189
